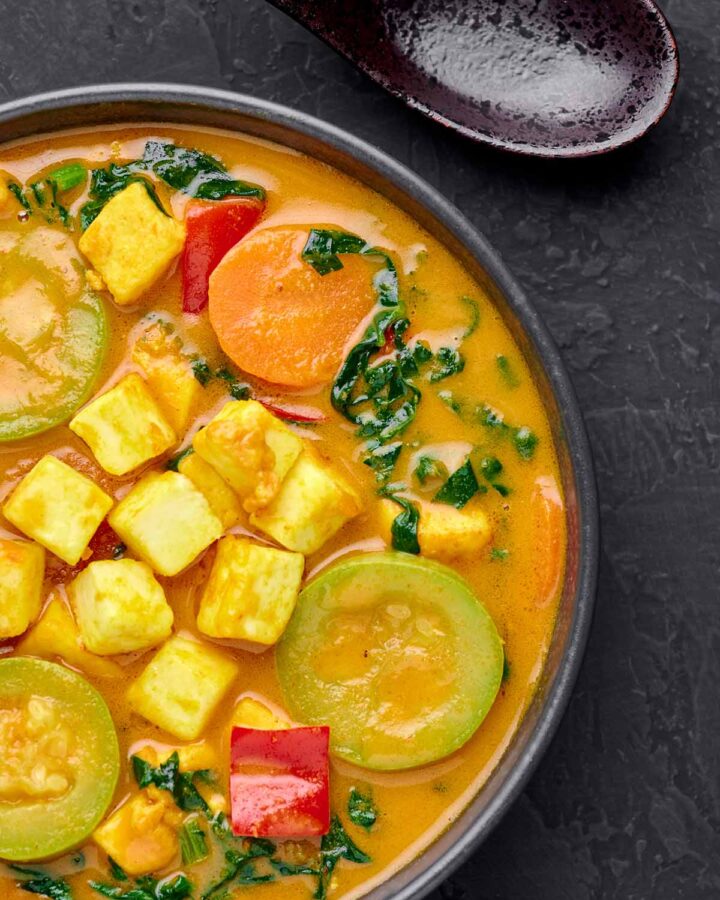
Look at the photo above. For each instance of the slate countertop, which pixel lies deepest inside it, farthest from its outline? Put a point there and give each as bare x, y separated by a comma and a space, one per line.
621, 255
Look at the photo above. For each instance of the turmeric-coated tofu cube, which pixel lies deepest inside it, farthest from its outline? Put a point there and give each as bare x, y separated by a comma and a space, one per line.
252, 450
313, 503
131, 243
58, 507
168, 374
223, 500
182, 686
55, 634
166, 521
120, 607
22, 569
142, 836
124, 427
251, 713
444, 532
251, 592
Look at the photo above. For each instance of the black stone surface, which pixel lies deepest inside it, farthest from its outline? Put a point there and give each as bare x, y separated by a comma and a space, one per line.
621, 255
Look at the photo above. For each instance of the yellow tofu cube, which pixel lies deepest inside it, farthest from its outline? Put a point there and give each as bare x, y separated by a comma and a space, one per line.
131, 243
56, 634
182, 686
223, 500
251, 592
252, 450
251, 713
120, 607
58, 507
124, 427
22, 569
314, 502
142, 836
169, 375
444, 532
166, 521
6, 199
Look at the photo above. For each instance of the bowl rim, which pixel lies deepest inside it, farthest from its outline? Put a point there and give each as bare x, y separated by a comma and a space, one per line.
33, 115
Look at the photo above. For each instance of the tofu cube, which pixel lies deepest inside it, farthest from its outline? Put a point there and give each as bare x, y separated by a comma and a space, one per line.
142, 836
169, 375
444, 532
251, 713
56, 634
22, 570
120, 607
252, 450
58, 507
124, 427
251, 592
166, 521
313, 503
182, 686
131, 243
223, 500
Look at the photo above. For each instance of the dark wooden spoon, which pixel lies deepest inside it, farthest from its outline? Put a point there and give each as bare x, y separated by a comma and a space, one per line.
543, 77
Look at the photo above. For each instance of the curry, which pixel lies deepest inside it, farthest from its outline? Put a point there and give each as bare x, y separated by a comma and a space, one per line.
282, 534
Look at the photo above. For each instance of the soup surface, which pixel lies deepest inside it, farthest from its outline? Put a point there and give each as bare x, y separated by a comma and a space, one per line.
279, 490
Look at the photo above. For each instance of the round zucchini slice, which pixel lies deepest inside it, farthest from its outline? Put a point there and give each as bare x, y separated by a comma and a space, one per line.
60, 759
396, 654
53, 333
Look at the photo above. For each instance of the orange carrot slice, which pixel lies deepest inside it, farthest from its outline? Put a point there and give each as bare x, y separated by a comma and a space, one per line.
276, 318
549, 520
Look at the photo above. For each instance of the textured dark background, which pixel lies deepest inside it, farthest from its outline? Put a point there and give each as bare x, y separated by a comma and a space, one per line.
621, 255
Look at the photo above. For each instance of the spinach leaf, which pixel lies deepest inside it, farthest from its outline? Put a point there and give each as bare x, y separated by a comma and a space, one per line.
172, 464
361, 809
448, 361
41, 197
429, 467
382, 458
491, 468
324, 247
147, 888
117, 872
168, 777
238, 390
202, 371
240, 869
193, 846
42, 883
460, 487
404, 529
474, 315
449, 399
525, 442
506, 371
190, 171
336, 845
285, 868
506, 670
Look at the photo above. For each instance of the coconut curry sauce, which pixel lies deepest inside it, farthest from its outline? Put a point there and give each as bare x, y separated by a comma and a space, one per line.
280, 494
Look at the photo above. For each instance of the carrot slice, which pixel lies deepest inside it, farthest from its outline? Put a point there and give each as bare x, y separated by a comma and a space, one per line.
549, 518
276, 318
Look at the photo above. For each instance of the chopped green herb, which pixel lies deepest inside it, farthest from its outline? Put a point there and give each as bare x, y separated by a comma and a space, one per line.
448, 361
460, 487
429, 467
506, 670
177, 887
336, 845
506, 371
490, 418
239, 390
193, 845
19, 195
172, 464
40, 882
287, 869
404, 529
525, 442
119, 550
239, 869
449, 400
474, 315
168, 777
381, 459
202, 371
361, 809
42, 197
491, 468
498, 553
117, 872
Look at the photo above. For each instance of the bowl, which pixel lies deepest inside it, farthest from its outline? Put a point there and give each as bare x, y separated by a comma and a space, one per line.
122, 103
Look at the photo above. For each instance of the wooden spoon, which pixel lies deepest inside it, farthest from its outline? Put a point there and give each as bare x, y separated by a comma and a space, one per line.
544, 77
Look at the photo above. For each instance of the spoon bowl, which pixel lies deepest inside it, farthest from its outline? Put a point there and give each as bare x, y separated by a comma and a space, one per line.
557, 78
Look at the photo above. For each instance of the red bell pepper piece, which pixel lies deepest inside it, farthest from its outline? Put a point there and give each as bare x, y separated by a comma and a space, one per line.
279, 782
294, 413
213, 227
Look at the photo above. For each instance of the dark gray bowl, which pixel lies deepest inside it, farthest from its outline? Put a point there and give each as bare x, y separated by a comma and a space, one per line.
204, 107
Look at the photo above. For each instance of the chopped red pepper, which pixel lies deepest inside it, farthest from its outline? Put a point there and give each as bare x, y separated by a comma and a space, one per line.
279, 782
294, 413
213, 227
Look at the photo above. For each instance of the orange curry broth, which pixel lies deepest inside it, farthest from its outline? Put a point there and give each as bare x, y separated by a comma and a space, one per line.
520, 590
